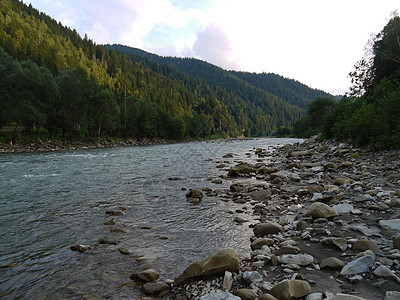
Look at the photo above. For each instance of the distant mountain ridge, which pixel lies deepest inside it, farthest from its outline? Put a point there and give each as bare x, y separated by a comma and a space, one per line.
289, 90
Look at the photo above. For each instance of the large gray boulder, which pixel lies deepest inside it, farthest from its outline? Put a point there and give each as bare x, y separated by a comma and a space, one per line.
267, 228
223, 260
358, 266
320, 210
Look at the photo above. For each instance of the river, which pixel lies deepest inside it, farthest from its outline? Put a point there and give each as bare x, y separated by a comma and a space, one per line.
50, 201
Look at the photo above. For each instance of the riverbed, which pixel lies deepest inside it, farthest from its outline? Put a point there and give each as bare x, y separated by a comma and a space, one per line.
52, 200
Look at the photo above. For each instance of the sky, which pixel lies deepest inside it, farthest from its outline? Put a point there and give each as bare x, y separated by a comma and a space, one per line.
316, 42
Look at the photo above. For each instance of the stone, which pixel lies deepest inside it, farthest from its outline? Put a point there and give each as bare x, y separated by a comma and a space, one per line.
291, 289
154, 288
267, 228
363, 245
340, 296
258, 243
148, 275
223, 260
260, 195
358, 266
246, 294
287, 250
396, 242
341, 181
115, 213
217, 181
336, 242
239, 170
81, 248
332, 263
195, 193
320, 210
394, 203
110, 222
125, 251
343, 208
228, 281
298, 259
384, 272
267, 297
392, 295
355, 279
252, 276
316, 197
220, 296
314, 296
393, 224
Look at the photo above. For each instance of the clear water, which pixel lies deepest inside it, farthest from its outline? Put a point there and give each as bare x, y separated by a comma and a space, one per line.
50, 201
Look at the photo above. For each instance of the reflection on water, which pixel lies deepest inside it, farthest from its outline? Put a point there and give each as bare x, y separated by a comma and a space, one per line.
50, 201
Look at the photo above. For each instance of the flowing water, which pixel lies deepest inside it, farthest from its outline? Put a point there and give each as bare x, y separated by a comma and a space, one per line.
50, 201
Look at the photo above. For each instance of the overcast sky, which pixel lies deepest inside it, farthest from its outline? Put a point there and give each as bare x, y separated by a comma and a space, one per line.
316, 42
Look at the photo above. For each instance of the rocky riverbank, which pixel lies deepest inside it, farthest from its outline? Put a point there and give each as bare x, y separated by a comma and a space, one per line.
327, 227
56, 145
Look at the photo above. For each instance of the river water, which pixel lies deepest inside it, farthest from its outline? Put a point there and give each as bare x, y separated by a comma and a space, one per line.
50, 201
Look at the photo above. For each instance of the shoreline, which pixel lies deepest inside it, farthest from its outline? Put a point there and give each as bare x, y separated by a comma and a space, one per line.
357, 193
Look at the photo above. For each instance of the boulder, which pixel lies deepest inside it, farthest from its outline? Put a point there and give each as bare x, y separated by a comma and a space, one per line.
154, 288
148, 275
291, 289
363, 245
194, 193
392, 295
81, 248
246, 294
267, 228
220, 296
252, 276
340, 296
358, 266
261, 195
267, 297
223, 260
332, 263
228, 281
320, 210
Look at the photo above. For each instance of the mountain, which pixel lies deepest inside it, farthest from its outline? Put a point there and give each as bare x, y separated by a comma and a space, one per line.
121, 91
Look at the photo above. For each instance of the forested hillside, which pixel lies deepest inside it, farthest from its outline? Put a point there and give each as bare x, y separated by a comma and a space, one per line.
57, 82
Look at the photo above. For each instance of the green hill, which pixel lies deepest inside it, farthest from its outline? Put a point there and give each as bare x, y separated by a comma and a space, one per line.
58, 82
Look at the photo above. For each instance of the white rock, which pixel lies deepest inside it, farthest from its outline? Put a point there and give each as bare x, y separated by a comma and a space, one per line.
220, 296
228, 281
314, 296
392, 295
298, 259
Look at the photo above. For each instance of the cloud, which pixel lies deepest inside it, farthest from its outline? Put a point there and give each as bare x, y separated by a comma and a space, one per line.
213, 45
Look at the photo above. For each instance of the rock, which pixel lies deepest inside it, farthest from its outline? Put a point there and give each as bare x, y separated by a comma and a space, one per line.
110, 222
332, 263
363, 245
341, 181
343, 208
252, 276
115, 213
394, 203
223, 260
384, 272
217, 181
298, 259
148, 275
358, 266
340, 296
267, 297
267, 228
258, 243
396, 242
392, 295
125, 251
228, 281
393, 224
291, 289
261, 195
81, 248
246, 294
220, 296
338, 243
320, 210
239, 170
194, 193
236, 188
287, 250
154, 288
314, 296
